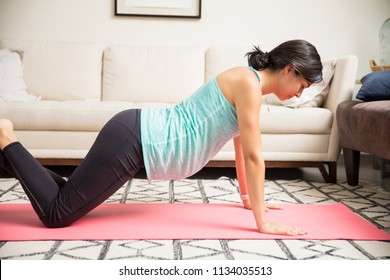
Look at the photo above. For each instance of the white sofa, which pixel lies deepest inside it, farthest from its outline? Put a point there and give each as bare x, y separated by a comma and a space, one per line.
82, 85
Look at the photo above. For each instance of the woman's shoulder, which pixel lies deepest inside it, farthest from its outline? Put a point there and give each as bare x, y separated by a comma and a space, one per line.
240, 76
237, 70
237, 80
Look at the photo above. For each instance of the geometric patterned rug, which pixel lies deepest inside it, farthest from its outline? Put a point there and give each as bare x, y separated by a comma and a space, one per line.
367, 200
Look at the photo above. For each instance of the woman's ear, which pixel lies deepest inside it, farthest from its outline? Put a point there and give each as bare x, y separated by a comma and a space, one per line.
287, 69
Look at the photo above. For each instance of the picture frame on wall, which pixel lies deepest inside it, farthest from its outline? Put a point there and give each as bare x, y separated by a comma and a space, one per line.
159, 8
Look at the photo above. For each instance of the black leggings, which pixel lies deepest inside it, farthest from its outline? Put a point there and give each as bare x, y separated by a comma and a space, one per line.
114, 158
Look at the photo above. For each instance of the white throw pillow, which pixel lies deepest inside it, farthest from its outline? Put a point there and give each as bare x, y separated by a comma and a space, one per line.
12, 85
313, 96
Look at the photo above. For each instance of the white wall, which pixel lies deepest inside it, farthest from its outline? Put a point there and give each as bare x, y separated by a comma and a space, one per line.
336, 27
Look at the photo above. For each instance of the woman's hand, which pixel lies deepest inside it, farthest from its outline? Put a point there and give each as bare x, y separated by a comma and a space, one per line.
268, 206
247, 204
275, 228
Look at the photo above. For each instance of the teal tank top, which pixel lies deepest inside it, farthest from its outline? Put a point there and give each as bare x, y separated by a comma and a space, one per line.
179, 141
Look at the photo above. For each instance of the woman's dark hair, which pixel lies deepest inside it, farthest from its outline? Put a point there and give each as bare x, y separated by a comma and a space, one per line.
299, 54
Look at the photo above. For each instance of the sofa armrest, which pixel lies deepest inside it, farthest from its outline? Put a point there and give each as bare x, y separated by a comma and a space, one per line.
343, 82
341, 89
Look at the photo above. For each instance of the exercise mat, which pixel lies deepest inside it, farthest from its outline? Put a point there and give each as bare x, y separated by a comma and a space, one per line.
18, 222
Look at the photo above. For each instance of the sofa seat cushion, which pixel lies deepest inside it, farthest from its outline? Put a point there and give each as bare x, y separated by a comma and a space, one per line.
91, 115
65, 115
284, 120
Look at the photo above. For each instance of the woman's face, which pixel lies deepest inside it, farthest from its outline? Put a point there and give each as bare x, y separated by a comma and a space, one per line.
291, 84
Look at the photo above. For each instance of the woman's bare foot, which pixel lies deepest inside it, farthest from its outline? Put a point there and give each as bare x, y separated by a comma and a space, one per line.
7, 135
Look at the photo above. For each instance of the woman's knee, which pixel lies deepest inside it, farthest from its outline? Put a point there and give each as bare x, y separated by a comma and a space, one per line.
7, 135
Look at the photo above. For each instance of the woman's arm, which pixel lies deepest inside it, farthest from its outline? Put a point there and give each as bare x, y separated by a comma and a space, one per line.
248, 103
252, 171
240, 171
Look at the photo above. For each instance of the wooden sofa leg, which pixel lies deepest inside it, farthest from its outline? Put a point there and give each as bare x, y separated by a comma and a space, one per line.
384, 172
332, 172
352, 163
331, 175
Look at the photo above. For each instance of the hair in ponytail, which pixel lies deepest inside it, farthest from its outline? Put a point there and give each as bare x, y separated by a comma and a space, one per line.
299, 54
258, 59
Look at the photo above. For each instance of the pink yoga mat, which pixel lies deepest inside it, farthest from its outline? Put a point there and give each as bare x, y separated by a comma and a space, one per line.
187, 221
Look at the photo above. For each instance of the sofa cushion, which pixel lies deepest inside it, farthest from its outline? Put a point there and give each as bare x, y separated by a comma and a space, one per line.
12, 85
66, 115
152, 74
219, 59
61, 70
92, 115
376, 86
284, 120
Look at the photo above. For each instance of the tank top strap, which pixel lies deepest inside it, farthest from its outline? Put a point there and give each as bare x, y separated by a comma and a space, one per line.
257, 74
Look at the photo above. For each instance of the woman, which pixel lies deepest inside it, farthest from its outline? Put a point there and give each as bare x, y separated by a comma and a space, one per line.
173, 143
